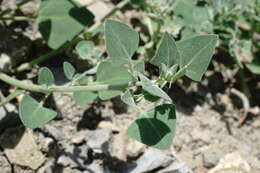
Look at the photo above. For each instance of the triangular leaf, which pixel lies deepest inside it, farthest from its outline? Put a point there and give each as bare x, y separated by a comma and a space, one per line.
254, 67
127, 98
155, 127
109, 74
167, 52
68, 70
45, 77
84, 97
32, 114
60, 20
195, 54
121, 40
152, 88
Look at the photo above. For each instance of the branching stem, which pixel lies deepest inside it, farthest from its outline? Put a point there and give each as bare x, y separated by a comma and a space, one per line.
43, 89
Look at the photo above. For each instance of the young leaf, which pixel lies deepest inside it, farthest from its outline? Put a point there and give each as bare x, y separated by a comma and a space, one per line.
152, 88
45, 77
68, 70
155, 127
121, 40
60, 20
109, 74
167, 52
86, 50
32, 114
84, 97
195, 54
127, 98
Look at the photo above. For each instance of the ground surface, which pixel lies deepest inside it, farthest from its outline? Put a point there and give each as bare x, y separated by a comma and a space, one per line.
91, 138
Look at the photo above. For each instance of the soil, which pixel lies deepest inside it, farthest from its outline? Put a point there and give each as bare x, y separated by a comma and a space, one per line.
91, 138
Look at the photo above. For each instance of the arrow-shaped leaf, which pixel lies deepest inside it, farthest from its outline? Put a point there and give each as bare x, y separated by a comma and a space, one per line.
167, 52
155, 127
32, 114
195, 54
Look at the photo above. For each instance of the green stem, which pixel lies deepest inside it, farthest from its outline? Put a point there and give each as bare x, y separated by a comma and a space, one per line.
46, 90
29, 65
42, 58
178, 75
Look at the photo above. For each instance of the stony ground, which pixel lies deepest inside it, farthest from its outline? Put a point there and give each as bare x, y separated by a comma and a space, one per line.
92, 139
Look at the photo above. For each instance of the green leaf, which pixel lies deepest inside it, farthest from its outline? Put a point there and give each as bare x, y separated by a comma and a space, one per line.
195, 54
109, 74
254, 67
11, 96
32, 114
45, 77
139, 66
87, 51
155, 127
149, 97
128, 99
61, 20
167, 52
191, 15
84, 97
68, 70
153, 89
121, 41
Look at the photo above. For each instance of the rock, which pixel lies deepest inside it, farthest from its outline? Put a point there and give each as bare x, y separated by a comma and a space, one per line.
70, 170
18, 169
210, 159
256, 124
99, 9
73, 156
232, 162
4, 165
118, 146
30, 8
55, 132
79, 137
46, 144
66, 161
134, 148
108, 125
6, 62
95, 166
48, 167
149, 161
20, 147
176, 167
99, 140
